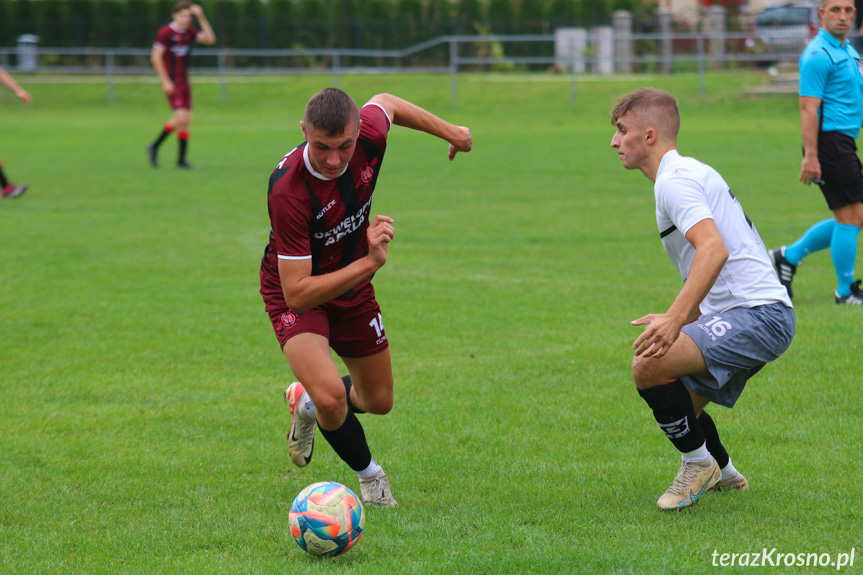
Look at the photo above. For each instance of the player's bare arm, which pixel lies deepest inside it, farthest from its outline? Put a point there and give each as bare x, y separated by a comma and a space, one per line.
811, 167
304, 291
207, 35
156, 55
10, 84
664, 329
408, 115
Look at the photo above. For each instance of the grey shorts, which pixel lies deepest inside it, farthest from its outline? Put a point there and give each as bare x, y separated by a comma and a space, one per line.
736, 344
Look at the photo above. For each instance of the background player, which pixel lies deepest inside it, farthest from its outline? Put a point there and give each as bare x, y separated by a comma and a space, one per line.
11, 190
170, 58
317, 269
831, 111
730, 318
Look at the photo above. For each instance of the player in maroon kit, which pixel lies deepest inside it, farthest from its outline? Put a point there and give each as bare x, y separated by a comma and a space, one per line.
7, 189
170, 58
316, 273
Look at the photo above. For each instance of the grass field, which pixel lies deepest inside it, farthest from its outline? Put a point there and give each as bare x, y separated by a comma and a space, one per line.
141, 420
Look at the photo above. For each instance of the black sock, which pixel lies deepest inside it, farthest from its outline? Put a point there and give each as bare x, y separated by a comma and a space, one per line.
711, 435
348, 385
183, 146
3, 181
673, 411
349, 442
161, 138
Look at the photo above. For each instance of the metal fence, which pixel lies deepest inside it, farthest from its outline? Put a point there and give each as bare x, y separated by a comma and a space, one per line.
664, 53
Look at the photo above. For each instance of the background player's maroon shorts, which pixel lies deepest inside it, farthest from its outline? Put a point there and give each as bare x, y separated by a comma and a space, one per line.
181, 98
352, 324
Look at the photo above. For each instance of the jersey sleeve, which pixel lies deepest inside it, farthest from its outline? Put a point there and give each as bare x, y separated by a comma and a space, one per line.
291, 218
814, 70
375, 124
163, 38
194, 32
683, 200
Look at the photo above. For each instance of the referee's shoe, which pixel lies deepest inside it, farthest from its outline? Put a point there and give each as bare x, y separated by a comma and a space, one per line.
854, 298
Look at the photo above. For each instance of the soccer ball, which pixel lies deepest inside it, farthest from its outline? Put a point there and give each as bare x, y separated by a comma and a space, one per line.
327, 519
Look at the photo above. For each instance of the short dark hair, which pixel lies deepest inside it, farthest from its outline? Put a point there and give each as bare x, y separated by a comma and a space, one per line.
650, 105
331, 110
179, 6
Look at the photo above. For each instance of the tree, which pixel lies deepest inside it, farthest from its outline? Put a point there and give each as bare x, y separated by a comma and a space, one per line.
25, 17
380, 30
52, 24
140, 24
252, 29
163, 12
282, 23
469, 14
563, 13
5, 24
409, 23
313, 24
532, 17
109, 22
225, 22
501, 16
345, 20
591, 13
81, 16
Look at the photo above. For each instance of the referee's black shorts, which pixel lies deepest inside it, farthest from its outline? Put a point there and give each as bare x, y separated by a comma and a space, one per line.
840, 169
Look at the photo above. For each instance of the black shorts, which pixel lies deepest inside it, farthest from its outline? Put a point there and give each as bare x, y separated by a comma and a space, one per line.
840, 169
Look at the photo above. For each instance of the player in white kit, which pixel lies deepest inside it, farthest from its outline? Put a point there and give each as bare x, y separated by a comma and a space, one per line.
732, 315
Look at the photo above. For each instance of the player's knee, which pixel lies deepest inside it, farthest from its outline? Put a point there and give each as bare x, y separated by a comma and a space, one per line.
381, 407
379, 403
643, 374
330, 403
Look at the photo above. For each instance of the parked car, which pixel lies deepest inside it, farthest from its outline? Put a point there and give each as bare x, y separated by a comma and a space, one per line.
784, 30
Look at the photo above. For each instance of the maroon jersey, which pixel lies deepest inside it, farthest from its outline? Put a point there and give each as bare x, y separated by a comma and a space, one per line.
320, 219
177, 44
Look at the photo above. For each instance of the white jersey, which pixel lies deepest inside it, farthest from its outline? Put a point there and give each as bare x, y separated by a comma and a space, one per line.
687, 192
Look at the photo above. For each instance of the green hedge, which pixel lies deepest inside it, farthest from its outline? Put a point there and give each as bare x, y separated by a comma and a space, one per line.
373, 24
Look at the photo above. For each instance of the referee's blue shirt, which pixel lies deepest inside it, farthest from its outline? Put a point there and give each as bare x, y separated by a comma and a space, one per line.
833, 73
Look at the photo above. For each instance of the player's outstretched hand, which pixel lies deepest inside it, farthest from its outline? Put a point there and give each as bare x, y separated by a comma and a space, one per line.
655, 341
168, 87
380, 233
463, 143
24, 96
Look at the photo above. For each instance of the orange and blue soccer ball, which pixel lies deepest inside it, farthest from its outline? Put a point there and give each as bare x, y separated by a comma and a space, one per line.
327, 519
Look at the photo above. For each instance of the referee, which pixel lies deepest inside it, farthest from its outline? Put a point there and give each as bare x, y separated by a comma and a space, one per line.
831, 112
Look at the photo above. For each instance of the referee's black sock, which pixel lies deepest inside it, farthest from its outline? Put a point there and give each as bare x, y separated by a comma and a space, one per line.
348, 385
349, 442
711, 435
673, 411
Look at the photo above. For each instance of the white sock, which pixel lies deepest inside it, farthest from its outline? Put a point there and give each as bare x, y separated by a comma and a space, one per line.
728, 470
306, 408
369, 471
697, 456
